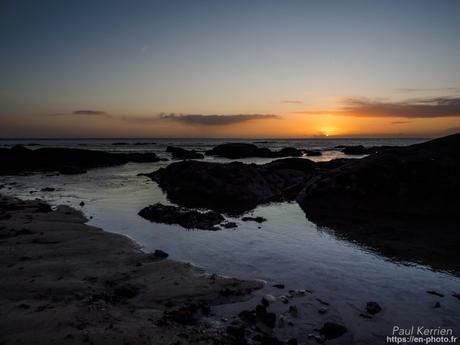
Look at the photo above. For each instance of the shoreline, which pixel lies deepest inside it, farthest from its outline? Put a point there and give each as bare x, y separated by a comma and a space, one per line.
63, 280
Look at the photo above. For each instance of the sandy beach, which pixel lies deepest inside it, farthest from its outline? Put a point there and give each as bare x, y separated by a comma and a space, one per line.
64, 282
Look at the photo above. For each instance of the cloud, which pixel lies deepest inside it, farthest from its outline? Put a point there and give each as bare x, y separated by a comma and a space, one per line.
89, 112
83, 112
291, 101
413, 90
400, 122
414, 108
214, 120
188, 119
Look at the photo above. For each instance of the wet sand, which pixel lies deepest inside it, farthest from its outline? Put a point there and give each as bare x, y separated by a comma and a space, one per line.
64, 282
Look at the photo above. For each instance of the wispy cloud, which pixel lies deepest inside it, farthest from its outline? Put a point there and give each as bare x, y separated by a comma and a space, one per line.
291, 101
414, 90
89, 112
214, 120
400, 122
414, 108
83, 112
188, 119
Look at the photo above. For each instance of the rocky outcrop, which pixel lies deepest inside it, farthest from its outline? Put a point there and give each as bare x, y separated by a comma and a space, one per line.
244, 150
180, 153
67, 161
398, 201
419, 180
362, 150
189, 219
233, 187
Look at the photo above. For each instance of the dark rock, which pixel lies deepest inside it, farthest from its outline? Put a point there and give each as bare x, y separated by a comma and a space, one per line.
269, 340
69, 170
437, 305
394, 200
189, 219
373, 308
233, 187
432, 292
294, 311
357, 150
120, 144
48, 189
313, 153
248, 316
254, 219
287, 152
244, 150
126, 291
456, 295
236, 332
65, 160
265, 317
183, 316
332, 330
82, 204
180, 153
279, 286
417, 180
160, 254
229, 225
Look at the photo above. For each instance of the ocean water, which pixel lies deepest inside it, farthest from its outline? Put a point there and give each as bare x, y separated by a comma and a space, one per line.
287, 249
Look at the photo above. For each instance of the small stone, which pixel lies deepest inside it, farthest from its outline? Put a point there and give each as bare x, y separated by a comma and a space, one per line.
267, 299
373, 308
293, 311
332, 330
322, 310
281, 321
437, 305
279, 286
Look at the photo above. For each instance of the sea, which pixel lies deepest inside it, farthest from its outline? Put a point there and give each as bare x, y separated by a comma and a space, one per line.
340, 276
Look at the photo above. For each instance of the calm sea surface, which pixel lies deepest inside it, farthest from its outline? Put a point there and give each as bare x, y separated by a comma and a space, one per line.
288, 248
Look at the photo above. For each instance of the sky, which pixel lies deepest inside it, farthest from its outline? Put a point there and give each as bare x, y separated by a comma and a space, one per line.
240, 68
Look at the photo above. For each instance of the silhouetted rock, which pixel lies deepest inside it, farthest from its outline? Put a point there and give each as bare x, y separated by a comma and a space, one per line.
418, 180
332, 330
373, 308
67, 161
265, 317
180, 153
254, 219
362, 150
160, 254
189, 219
70, 170
357, 150
244, 150
398, 201
233, 187
313, 153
